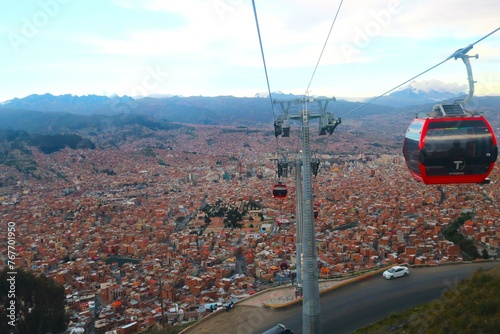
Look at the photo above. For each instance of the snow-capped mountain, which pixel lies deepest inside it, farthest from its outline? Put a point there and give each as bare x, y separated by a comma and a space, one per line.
423, 93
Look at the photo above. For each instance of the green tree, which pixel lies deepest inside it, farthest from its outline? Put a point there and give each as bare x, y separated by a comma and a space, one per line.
484, 254
467, 246
233, 221
38, 304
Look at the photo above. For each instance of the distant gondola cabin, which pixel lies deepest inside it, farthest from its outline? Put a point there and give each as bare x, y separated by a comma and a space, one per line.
280, 190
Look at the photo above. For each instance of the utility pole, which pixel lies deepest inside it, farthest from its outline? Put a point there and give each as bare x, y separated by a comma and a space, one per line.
311, 320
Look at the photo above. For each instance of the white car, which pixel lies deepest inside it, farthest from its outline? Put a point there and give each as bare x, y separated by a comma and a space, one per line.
396, 271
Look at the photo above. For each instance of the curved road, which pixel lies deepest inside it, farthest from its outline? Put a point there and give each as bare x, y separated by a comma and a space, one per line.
351, 307
358, 305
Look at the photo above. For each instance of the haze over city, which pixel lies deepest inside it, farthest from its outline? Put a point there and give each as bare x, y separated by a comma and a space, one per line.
211, 48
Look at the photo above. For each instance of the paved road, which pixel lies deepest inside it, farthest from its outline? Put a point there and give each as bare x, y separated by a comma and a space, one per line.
351, 307
359, 305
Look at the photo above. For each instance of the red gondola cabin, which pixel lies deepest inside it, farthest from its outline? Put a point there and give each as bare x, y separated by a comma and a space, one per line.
279, 190
450, 149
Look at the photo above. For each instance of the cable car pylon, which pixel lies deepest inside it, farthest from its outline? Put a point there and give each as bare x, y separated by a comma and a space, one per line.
311, 314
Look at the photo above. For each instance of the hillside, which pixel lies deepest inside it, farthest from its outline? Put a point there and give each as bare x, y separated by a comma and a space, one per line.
89, 104
97, 121
91, 116
57, 122
219, 110
473, 306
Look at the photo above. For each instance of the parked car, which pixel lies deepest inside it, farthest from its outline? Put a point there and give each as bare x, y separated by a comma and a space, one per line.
229, 306
278, 329
396, 271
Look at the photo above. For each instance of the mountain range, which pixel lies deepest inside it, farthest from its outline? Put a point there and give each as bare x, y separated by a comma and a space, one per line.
411, 96
47, 112
68, 113
66, 103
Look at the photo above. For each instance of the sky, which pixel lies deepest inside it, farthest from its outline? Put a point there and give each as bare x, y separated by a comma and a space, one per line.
211, 47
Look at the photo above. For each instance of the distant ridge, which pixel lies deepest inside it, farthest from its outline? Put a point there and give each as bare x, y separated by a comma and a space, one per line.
86, 104
278, 95
35, 111
409, 96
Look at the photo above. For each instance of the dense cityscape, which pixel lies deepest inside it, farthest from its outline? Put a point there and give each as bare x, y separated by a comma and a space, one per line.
158, 175
175, 223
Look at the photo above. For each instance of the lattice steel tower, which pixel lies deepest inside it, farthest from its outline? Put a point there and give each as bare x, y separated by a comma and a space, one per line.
311, 322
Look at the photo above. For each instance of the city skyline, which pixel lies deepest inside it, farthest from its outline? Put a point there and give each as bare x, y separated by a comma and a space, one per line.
211, 48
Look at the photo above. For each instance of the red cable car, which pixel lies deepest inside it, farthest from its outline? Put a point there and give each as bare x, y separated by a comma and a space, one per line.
454, 148
451, 144
279, 190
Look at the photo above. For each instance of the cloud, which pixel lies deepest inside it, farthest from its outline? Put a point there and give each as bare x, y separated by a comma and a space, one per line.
294, 32
147, 43
202, 32
439, 86
460, 19
211, 46
129, 4
421, 19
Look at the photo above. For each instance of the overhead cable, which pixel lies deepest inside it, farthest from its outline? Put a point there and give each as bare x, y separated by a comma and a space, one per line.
454, 55
324, 45
263, 58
